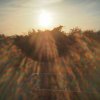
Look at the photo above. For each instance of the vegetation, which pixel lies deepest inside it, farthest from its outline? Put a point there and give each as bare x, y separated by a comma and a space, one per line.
50, 65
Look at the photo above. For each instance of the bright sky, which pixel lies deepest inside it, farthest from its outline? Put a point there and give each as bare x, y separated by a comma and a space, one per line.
17, 16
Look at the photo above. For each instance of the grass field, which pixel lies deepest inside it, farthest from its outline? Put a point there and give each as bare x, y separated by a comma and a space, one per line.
50, 65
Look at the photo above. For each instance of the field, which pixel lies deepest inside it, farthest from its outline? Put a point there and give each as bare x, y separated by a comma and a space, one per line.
50, 65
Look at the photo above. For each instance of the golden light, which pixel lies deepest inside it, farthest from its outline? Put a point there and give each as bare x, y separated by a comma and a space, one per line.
45, 19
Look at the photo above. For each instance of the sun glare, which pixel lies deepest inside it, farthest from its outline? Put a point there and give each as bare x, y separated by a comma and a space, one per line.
45, 19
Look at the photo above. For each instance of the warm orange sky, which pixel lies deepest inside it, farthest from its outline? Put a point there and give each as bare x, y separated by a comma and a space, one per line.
17, 16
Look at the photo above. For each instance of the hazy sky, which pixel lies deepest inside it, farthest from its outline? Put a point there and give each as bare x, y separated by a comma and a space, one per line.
17, 16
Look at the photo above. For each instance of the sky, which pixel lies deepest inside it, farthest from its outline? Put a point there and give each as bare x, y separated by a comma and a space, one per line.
20, 16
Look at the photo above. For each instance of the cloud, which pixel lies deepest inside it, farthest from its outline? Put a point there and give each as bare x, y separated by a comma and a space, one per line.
47, 1
26, 3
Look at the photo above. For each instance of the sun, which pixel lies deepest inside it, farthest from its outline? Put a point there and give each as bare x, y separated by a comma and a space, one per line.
45, 19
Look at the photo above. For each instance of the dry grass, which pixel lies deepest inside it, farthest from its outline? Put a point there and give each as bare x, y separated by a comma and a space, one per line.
50, 65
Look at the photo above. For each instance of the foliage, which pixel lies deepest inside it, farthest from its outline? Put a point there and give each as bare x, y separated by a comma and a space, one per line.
50, 65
